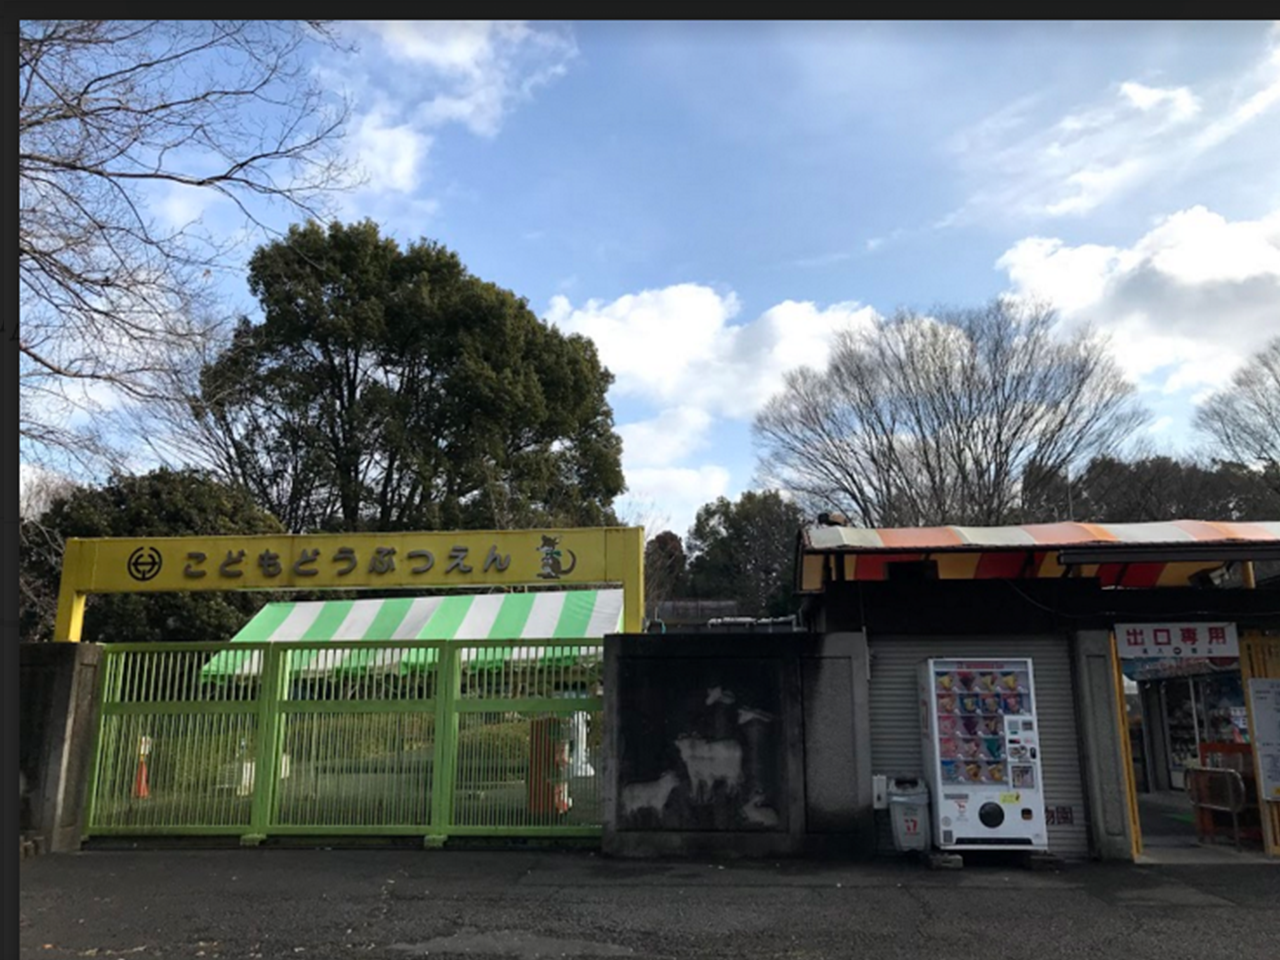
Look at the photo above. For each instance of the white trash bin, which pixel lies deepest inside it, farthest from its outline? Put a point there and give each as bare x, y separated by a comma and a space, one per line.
909, 811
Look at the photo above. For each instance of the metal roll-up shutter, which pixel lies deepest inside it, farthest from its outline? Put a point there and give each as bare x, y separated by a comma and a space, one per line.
895, 721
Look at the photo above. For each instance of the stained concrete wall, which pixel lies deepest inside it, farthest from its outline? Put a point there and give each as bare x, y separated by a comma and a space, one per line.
736, 744
1102, 749
57, 694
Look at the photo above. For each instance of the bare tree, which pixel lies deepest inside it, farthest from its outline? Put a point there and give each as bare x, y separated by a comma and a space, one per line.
111, 116
1244, 419
942, 418
38, 596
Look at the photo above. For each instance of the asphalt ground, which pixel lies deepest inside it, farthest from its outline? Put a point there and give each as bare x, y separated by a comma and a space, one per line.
397, 903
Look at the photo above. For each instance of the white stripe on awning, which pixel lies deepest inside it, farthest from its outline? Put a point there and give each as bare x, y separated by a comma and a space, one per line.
478, 622
546, 614
359, 620
586, 615
420, 612
300, 618
1149, 532
996, 536
606, 617
543, 616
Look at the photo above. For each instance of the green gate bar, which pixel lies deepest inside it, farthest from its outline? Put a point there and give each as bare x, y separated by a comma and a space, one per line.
355, 738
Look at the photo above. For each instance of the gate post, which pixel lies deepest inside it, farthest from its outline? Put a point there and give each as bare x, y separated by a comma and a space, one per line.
1260, 659
106, 687
266, 771
445, 749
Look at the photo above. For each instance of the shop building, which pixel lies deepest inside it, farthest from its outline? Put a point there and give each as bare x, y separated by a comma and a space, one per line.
1147, 602
848, 711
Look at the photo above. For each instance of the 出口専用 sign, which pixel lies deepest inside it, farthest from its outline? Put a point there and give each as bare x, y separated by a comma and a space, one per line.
1136, 640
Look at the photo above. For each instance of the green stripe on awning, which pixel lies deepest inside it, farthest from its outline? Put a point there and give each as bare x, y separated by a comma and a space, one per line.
265, 622
389, 618
576, 614
325, 626
444, 623
458, 618
512, 616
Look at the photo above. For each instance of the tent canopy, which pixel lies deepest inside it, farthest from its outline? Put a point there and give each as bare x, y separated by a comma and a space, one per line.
552, 615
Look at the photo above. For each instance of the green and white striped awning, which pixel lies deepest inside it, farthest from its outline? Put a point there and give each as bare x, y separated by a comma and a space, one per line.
551, 615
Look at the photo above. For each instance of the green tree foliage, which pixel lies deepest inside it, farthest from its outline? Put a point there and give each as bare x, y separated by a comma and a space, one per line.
746, 551
165, 503
390, 389
666, 570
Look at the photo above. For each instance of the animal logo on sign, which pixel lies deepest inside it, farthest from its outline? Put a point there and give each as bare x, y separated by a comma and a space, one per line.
553, 567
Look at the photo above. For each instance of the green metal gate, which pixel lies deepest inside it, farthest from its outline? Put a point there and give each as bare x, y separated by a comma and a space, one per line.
428, 738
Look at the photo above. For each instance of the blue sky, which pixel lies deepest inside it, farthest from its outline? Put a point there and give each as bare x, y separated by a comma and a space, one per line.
709, 202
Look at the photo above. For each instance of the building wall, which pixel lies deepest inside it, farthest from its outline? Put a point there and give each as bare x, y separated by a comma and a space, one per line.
721, 744
895, 721
1100, 722
58, 712
767, 745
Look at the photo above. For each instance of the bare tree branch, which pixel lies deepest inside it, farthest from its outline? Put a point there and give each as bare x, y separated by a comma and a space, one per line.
112, 113
1243, 420
947, 418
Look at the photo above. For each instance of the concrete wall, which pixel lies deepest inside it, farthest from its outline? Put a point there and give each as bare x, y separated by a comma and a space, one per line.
1102, 749
723, 744
58, 710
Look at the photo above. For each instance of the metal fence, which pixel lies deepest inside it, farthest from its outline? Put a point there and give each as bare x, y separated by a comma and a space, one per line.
430, 738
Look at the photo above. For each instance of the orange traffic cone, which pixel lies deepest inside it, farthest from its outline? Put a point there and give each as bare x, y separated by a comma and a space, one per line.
141, 787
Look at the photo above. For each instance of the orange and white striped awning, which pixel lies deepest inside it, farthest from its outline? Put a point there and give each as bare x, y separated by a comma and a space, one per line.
848, 553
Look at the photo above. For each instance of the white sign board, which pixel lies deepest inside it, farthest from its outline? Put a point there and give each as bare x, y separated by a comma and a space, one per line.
1264, 695
1135, 640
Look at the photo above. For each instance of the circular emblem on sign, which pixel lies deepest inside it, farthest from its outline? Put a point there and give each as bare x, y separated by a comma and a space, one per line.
145, 563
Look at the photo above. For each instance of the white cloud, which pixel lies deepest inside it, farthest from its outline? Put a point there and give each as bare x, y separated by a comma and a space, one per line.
37, 488
677, 346
390, 155
679, 490
1182, 103
680, 351
411, 79
1184, 305
683, 352
1022, 166
827, 259
476, 71
668, 438
179, 205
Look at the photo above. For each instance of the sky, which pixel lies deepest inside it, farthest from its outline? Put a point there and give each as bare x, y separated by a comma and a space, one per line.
710, 202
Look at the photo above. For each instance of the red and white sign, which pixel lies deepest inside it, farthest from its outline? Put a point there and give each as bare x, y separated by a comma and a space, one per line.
1136, 640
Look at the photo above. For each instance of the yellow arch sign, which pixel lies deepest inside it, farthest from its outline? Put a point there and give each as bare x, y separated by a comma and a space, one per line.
352, 561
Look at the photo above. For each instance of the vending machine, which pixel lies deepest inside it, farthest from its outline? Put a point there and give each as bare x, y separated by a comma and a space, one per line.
982, 754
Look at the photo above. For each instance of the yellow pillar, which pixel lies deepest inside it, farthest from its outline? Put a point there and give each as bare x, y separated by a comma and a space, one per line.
625, 562
70, 619
1246, 573
1260, 657
1126, 749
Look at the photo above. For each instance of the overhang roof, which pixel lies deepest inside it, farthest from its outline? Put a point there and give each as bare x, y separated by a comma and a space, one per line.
1048, 536
1118, 554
